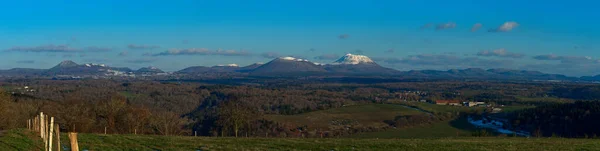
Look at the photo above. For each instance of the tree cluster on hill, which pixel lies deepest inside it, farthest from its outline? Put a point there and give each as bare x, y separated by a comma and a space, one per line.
580, 119
12, 114
587, 92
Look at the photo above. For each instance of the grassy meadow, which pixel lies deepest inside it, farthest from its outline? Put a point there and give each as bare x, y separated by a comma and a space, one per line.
133, 142
21, 139
368, 115
456, 128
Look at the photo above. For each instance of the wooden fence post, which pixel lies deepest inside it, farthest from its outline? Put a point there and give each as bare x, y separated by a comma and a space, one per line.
35, 125
42, 125
46, 128
50, 142
58, 138
104, 130
73, 140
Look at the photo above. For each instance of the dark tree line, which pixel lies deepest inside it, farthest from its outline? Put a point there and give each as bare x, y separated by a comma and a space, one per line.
580, 119
579, 92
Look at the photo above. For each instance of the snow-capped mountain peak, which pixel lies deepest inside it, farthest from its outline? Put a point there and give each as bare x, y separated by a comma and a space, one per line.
353, 59
67, 63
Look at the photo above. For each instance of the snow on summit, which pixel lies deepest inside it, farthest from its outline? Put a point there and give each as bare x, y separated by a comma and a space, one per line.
292, 59
353, 59
228, 65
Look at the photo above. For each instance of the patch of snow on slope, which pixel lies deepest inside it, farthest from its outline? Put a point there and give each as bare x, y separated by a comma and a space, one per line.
228, 65
293, 59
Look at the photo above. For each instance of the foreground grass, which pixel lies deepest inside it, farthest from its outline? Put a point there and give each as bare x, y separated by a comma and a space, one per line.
19, 139
139, 142
24, 140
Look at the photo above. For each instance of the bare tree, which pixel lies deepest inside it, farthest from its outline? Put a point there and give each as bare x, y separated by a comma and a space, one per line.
109, 110
167, 123
5, 106
235, 115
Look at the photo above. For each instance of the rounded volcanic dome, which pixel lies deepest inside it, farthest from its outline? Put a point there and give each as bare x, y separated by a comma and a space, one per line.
67, 63
353, 59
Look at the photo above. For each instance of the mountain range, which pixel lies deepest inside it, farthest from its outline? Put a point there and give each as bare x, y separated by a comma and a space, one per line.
347, 65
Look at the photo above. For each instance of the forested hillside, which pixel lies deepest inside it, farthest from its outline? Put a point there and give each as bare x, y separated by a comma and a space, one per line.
185, 108
580, 119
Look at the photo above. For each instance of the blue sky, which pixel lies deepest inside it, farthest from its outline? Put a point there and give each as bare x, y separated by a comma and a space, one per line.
549, 36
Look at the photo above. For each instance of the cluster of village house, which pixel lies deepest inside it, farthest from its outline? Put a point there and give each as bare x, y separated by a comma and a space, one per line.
405, 95
468, 104
23, 90
459, 103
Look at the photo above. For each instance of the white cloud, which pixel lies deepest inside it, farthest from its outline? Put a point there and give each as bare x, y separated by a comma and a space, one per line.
344, 36
45, 48
327, 57
270, 55
26, 61
506, 27
449, 61
568, 59
201, 51
390, 51
448, 25
98, 49
133, 46
428, 25
124, 53
499, 53
140, 61
476, 27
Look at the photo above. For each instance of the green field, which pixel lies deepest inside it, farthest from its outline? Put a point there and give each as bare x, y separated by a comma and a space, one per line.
456, 128
543, 99
515, 108
373, 115
367, 115
438, 108
21, 140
